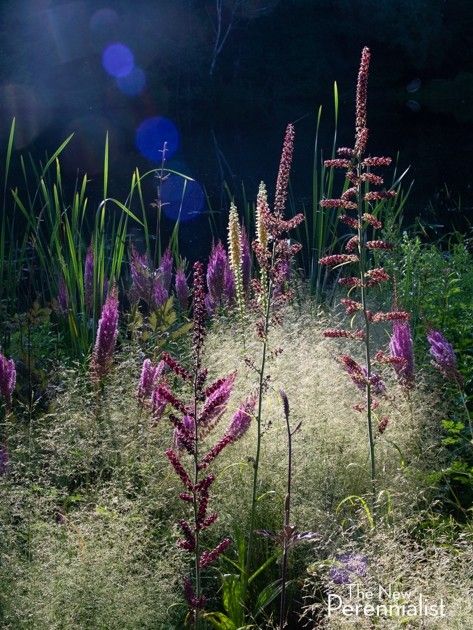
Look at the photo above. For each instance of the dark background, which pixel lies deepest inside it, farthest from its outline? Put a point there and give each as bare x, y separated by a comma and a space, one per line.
278, 64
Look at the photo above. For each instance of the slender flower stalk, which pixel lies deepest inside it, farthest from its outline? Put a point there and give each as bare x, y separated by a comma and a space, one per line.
359, 199
273, 252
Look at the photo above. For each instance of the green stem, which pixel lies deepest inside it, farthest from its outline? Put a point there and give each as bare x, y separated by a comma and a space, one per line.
287, 519
362, 269
194, 493
261, 372
465, 406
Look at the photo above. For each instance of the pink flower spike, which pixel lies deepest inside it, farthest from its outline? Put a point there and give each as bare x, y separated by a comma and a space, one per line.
106, 338
209, 557
7, 379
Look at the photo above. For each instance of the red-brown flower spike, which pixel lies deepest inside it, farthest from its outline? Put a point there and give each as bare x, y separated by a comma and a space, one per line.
362, 90
282, 182
376, 161
372, 220
378, 245
338, 259
346, 334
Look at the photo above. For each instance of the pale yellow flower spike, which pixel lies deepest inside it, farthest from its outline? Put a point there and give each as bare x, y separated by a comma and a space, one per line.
261, 206
235, 254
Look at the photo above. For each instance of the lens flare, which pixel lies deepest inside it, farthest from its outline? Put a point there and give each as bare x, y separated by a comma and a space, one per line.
182, 199
134, 82
118, 60
151, 136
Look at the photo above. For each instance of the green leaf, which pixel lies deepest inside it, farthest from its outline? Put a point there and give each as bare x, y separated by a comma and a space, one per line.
220, 621
268, 595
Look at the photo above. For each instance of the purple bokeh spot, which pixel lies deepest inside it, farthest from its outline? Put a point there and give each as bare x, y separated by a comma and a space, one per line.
118, 60
151, 136
182, 199
134, 82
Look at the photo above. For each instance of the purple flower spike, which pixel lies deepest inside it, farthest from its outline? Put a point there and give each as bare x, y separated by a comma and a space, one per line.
160, 294
347, 568
165, 269
216, 272
89, 279
4, 460
401, 347
443, 355
7, 379
150, 375
105, 341
182, 289
148, 285
238, 426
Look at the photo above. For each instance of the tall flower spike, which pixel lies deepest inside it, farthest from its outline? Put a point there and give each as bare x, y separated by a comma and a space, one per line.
362, 90
217, 272
105, 341
182, 289
7, 379
262, 211
401, 346
235, 254
198, 331
282, 182
150, 375
443, 355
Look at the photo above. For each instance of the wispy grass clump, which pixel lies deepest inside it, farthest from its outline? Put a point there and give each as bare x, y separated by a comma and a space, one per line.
440, 571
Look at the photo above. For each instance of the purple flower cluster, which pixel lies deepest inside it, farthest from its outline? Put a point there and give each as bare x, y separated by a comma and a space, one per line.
148, 285
182, 289
150, 376
443, 355
220, 279
7, 379
106, 338
401, 347
153, 286
347, 568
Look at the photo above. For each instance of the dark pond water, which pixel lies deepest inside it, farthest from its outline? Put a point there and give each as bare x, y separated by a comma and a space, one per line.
141, 71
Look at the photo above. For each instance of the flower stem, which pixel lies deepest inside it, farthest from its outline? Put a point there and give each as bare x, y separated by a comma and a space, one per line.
362, 269
261, 373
